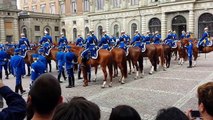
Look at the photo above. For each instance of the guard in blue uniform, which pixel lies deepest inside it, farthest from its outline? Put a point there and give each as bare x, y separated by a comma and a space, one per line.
24, 41
122, 41
136, 42
37, 68
147, 39
169, 39
105, 41
63, 40
46, 42
188, 34
183, 35
91, 44
70, 58
127, 38
60, 60
3, 62
94, 38
157, 38
42, 58
86, 55
79, 41
18, 68
190, 53
174, 35
205, 38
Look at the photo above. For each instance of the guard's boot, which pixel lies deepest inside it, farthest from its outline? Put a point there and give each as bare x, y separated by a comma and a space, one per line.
0, 75
21, 89
190, 64
69, 83
200, 48
89, 75
79, 74
16, 88
73, 81
59, 77
63, 73
7, 74
1, 102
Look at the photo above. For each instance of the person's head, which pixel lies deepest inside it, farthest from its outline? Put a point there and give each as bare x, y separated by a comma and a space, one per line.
60, 48
174, 32
171, 113
45, 95
169, 31
17, 51
104, 32
79, 35
206, 29
62, 34
147, 32
68, 48
45, 32
124, 112
156, 32
35, 57
77, 109
136, 31
183, 32
205, 99
22, 35
41, 51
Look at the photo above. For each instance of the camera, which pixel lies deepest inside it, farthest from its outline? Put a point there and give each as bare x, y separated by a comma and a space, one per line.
195, 114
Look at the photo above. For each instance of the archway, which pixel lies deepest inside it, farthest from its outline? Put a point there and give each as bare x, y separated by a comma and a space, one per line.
64, 31
205, 20
154, 25
74, 34
86, 31
100, 29
116, 31
179, 24
25, 32
133, 29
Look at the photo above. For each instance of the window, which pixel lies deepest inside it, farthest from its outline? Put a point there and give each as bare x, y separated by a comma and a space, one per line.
74, 6
34, 8
100, 4
62, 8
86, 5
64, 31
179, 24
86, 32
74, 34
74, 22
134, 2
56, 28
43, 7
37, 28
116, 31
25, 31
100, 29
133, 29
116, 3
37, 38
155, 25
205, 20
52, 9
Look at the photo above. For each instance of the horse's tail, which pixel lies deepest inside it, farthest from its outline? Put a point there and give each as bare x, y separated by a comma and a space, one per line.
124, 65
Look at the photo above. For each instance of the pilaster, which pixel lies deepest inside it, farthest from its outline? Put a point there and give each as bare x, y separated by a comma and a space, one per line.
163, 25
2, 30
143, 27
15, 30
191, 21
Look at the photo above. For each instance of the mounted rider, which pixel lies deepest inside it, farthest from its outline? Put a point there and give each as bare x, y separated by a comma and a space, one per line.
205, 39
105, 41
169, 39
174, 35
183, 35
136, 42
24, 44
157, 38
46, 42
122, 41
91, 44
188, 34
62, 41
3, 62
79, 41
147, 38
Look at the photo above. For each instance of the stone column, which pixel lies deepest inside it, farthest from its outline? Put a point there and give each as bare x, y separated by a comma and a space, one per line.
107, 26
163, 25
106, 5
15, 30
143, 22
2, 30
124, 25
191, 21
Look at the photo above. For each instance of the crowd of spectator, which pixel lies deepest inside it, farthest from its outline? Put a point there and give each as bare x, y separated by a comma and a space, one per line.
45, 102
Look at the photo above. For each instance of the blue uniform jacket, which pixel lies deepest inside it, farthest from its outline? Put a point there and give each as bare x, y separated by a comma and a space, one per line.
24, 41
62, 40
60, 58
136, 41
46, 38
37, 68
94, 39
205, 36
69, 58
174, 36
42, 59
17, 65
147, 39
182, 36
3, 56
16, 105
104, 40
188, 35
79, 41
157, 39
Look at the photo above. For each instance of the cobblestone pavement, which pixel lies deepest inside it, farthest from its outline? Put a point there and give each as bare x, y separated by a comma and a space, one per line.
174, 87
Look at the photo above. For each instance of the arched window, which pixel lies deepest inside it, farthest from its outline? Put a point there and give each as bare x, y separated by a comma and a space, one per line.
179, 24
64, 31
86, 5
154, 25
116, 3
116, 31
100, 29
25, 32
74, 34
86, 31
100, 4
205, 20
133, 29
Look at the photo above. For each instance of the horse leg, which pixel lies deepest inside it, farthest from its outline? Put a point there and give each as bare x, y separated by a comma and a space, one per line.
96, 69
130, 67
84, 70
110, 74
141, 67
28, 69
105, 76
195, 54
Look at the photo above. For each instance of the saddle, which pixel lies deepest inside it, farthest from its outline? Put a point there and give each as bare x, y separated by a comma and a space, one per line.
24, 53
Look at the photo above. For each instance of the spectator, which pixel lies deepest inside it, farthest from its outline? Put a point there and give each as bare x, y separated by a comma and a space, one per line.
205, 100
124, 112
44, 96
77, 109
171, 113
16, 105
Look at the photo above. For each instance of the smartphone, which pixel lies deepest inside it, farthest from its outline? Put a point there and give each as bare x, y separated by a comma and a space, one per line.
195, 114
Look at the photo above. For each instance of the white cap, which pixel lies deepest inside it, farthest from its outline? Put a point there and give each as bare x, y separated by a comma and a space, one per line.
45, 32
136, 31
22, 34
104, 31
156, 32
62, 33
205, 28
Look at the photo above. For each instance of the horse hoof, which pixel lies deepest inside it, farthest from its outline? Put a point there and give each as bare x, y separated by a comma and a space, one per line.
122, 82
164, 69
129, 73
150, 73
141, 76
85, 85
28, 74
110, 85
102, 87
135, 78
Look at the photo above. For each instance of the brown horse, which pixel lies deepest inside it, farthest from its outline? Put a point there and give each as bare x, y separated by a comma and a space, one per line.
27, 59
160, 53
119, 59
167, 54
135, 56
104, 60
151, 53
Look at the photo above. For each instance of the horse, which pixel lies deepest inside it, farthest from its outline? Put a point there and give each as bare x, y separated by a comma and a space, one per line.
160, 53
104, 60
119, 59
151, 53
135, 56
27, 59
